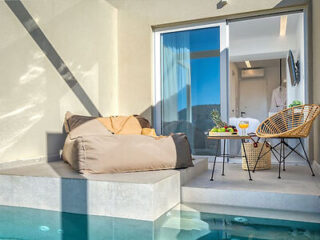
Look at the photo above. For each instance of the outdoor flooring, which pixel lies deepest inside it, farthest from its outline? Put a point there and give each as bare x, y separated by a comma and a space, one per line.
297, 190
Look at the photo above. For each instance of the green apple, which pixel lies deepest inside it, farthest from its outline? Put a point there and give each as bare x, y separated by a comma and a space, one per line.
221, 130
230, 129
215, 129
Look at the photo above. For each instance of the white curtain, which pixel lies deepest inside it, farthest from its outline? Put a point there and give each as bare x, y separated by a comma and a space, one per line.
176, 77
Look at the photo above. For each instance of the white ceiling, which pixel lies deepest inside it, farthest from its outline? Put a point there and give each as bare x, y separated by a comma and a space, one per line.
259, 38
261, 63
260, 27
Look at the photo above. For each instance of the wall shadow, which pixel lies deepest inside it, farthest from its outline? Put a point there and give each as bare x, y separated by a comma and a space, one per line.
74, 199
74, 192
44, 44
55, 142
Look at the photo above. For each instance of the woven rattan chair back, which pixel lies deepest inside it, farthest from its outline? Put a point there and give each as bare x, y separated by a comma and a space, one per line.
294, 122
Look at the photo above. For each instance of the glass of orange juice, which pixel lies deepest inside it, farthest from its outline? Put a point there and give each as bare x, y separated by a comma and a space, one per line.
243, 125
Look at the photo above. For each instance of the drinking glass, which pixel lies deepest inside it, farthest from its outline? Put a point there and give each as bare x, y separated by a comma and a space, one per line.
244, 125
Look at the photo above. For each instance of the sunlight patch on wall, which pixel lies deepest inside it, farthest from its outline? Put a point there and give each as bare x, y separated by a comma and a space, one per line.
24, 104
31, 74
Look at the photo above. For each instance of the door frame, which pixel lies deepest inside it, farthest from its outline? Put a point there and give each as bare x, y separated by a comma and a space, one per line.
224, 21
224, 67
306, 35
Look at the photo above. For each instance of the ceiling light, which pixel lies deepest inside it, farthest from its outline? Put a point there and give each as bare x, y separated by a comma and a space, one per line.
248, 64
283, 25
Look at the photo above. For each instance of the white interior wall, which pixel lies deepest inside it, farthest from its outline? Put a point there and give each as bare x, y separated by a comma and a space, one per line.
33, 95
253, 98
255, 94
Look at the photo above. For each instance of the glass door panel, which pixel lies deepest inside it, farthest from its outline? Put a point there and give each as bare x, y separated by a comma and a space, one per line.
190, 78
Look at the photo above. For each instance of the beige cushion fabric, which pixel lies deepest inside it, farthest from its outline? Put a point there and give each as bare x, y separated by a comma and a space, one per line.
72, 121
183, 150
125, 153
143, 121
70, 152
91, 148
91, 127
123, 125
149, 132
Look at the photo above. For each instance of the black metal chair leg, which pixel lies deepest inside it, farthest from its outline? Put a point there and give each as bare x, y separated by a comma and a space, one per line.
284, 156
214, 162
245, 155
255, 165
280, 159
292, 149
305, 153
223, 156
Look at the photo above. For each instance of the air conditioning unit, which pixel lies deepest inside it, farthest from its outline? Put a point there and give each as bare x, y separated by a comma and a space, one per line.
252, 73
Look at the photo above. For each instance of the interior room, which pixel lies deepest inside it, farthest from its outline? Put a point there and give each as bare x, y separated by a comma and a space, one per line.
260, 75
254, 85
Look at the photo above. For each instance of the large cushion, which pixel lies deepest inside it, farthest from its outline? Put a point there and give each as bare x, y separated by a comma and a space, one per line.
126, 153
91, 148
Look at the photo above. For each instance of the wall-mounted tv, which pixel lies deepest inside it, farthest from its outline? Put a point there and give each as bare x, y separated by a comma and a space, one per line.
293, 69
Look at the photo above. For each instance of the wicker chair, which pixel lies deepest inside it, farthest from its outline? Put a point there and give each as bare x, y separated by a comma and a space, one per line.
294, 122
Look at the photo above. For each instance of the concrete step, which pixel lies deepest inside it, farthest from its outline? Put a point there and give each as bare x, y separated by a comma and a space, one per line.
296, 191
55, 186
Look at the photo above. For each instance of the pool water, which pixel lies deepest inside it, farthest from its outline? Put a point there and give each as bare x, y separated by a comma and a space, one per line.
25, 223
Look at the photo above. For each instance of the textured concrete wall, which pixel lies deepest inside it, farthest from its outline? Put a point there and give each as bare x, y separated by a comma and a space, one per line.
63, 56
316, 73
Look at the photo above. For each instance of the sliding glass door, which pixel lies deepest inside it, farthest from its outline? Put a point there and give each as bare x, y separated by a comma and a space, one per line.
193, 82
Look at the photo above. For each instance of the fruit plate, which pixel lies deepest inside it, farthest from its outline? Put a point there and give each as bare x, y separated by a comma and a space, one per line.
222, 134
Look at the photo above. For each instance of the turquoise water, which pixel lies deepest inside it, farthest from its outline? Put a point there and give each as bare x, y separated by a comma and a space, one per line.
25, 223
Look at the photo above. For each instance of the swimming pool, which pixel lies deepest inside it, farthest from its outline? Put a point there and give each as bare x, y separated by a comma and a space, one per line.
25, 223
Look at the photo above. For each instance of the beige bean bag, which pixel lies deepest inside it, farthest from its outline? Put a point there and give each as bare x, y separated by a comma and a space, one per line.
91, 148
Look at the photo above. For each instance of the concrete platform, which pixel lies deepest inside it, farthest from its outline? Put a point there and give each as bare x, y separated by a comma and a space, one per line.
296, 191
55, 186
